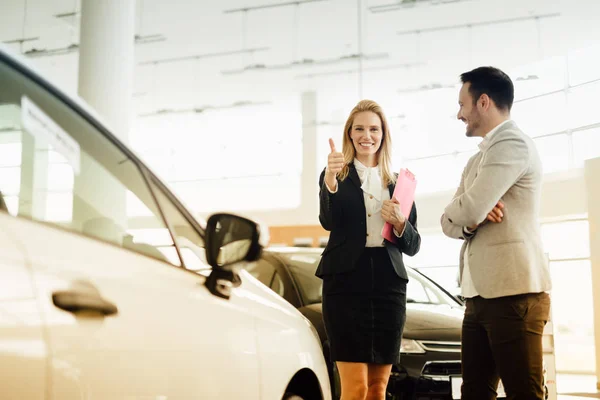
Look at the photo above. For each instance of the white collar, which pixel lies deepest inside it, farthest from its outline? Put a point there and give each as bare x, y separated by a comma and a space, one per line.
487, 138
370, 178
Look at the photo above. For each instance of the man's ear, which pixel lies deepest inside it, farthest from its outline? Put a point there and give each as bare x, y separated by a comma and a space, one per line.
485, 101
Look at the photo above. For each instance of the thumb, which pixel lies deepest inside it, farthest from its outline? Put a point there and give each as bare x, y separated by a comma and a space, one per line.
395, 200
331, 145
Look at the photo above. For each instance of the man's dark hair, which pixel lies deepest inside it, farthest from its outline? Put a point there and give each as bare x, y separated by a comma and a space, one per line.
493, 82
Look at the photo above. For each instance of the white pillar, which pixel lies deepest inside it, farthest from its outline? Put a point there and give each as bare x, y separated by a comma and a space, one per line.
592, 180
106, 62
309, 201
34, 177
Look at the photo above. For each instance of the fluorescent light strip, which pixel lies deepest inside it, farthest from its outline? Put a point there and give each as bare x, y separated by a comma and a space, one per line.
199, 110
272, 5
9, 129
21, 40
409, 4
356, 70
52, 52
75, 47
483, 23
67, 15
203, 56
307, 62
427, 87
143, 39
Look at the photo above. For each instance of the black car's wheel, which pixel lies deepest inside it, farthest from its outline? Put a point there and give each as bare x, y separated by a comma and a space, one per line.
292, 396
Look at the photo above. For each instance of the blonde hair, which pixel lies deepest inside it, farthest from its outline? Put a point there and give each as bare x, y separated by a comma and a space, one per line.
384, 154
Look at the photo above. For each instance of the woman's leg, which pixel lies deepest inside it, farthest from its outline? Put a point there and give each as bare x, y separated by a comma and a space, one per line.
377, 380
353, 379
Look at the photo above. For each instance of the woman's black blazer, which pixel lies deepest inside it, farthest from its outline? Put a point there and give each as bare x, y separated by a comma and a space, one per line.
344, 214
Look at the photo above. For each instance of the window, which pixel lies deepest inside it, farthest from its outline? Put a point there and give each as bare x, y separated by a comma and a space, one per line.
566, 240
586, 145
189, 241
572, 312
583, 107
416, 292
554, 152
237, 153
422, 290
541, 115
584, 65
540, 77
263, 271
436, 174
67, 173
302, 266
277, 285
437, 250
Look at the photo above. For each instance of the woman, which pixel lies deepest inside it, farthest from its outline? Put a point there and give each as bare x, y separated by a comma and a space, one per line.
364, 279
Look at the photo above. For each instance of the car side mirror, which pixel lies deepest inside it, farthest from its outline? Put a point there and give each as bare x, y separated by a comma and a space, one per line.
231, 239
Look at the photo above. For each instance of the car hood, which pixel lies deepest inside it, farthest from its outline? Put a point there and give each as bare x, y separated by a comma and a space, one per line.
433, 322
423, 321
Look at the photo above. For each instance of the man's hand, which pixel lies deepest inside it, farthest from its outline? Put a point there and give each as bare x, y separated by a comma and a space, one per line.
391, 213
496, 215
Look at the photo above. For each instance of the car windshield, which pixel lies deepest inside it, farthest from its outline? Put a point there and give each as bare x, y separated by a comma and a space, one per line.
302, 265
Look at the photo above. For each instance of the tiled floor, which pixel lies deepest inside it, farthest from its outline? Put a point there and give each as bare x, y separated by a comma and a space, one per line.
576, 387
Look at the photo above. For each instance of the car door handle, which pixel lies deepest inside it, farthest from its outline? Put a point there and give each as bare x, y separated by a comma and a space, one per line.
83, 296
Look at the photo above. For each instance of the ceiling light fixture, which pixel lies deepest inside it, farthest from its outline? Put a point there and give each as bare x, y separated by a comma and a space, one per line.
306, 62
200, 110
153, 38
482, 23
203, 56
21, 40
272, 5
5, 129
51, 52
426, 87
356, 70
402, 5
75, 47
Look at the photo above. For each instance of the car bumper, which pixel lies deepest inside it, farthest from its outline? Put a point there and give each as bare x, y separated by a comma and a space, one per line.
424, 376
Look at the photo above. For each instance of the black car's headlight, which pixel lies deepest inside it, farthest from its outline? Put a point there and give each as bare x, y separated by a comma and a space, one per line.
409, 346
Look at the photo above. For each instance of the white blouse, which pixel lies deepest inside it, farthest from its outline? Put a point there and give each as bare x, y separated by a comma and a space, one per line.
374, 194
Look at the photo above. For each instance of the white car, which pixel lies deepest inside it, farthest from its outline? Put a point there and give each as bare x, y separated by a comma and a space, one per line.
92, 307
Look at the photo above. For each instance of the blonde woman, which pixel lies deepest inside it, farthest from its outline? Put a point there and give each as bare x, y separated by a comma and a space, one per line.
364, 279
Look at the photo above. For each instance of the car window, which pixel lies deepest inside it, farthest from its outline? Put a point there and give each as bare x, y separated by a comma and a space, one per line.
302, 266
57, 168
277, 285
263, 271
187, 236
422, 290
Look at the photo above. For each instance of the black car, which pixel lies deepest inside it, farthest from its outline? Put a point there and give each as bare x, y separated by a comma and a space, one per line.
430, 352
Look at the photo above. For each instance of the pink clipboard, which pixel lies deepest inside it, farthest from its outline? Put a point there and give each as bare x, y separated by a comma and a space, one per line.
406, 184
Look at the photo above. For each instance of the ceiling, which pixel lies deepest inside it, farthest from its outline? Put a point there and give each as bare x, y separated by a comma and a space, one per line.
310, 46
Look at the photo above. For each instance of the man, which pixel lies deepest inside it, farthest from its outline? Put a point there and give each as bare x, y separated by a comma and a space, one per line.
503, 270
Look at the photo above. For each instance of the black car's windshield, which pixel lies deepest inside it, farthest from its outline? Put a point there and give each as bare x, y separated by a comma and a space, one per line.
303, 264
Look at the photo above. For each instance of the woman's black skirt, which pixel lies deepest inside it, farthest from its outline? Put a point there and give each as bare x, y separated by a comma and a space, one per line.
364, 310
